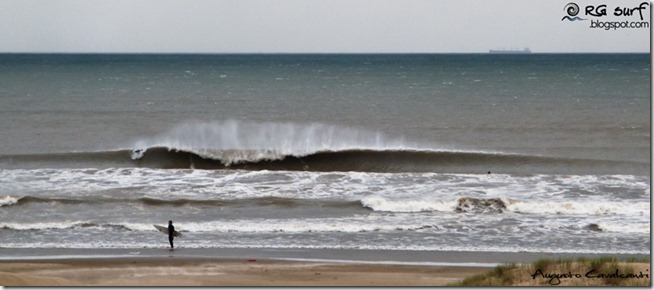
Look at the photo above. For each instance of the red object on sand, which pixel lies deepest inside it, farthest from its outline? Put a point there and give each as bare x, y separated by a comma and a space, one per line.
252, 260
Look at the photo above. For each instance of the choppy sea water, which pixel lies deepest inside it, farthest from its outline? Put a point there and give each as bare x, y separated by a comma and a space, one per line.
327, 151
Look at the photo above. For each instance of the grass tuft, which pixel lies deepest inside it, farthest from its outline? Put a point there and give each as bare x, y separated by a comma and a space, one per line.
568, 272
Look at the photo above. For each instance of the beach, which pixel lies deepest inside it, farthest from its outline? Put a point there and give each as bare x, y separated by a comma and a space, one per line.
255, 267
207, 272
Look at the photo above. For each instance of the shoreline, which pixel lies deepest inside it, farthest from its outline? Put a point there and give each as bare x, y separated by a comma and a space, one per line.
341, 256
256, 267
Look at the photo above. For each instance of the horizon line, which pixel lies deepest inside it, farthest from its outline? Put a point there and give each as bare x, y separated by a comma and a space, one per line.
304, 53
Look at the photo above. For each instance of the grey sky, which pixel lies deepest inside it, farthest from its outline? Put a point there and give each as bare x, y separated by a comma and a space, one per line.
224, 26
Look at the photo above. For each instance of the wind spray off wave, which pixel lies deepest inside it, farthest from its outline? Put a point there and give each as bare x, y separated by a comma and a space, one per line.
320, 147
234, 142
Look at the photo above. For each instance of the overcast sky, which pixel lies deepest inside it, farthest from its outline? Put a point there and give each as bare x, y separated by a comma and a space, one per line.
310, 26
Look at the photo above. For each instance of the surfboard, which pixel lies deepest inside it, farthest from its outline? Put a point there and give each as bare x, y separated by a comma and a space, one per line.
165, 230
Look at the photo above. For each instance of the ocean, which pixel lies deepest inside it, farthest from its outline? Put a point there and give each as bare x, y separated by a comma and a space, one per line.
537, 153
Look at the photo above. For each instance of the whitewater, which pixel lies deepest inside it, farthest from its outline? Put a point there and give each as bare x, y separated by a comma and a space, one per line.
469, 153
254, 142
236, 208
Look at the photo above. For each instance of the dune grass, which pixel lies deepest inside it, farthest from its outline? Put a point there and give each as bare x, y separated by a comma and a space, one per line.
602, 271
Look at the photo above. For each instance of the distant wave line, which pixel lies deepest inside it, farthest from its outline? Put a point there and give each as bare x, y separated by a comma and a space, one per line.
361, 160
455, 204
148, 201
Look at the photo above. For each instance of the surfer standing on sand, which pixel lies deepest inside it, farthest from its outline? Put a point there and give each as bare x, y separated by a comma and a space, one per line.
171, 233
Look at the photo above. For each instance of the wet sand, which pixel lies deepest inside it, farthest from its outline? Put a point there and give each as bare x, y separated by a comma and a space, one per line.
212, 272
253, 266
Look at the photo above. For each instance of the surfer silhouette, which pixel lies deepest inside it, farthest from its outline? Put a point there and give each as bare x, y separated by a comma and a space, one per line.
171, 233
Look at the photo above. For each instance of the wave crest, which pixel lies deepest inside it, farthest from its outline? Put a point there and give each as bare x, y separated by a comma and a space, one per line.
9, 200
236, 142
311, 147
501, 205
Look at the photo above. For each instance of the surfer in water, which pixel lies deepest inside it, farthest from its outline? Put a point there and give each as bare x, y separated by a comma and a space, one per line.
171, 234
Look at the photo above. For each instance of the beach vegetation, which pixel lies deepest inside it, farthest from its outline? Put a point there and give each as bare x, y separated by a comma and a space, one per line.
601, 271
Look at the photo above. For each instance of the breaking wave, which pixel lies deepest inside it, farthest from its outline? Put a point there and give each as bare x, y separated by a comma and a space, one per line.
234, 142
61, 226
383, 204
347, 160
313, 147
498, 205
148, 201
289, 226
319, 147
362, 160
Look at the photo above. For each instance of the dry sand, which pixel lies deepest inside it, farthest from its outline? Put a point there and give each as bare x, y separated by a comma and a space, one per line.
199, 272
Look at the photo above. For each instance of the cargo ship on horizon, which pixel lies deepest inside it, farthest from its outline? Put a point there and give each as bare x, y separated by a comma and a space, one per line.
526, 50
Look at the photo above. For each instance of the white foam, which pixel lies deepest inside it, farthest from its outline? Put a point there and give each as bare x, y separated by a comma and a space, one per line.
618, 227
343, 225
38, 225
8, 200
233, 141
580, 207
72, 224
241, 245
378, 203
393, 192
545, 207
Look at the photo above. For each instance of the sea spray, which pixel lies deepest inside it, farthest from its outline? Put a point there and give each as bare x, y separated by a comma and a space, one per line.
234, 142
